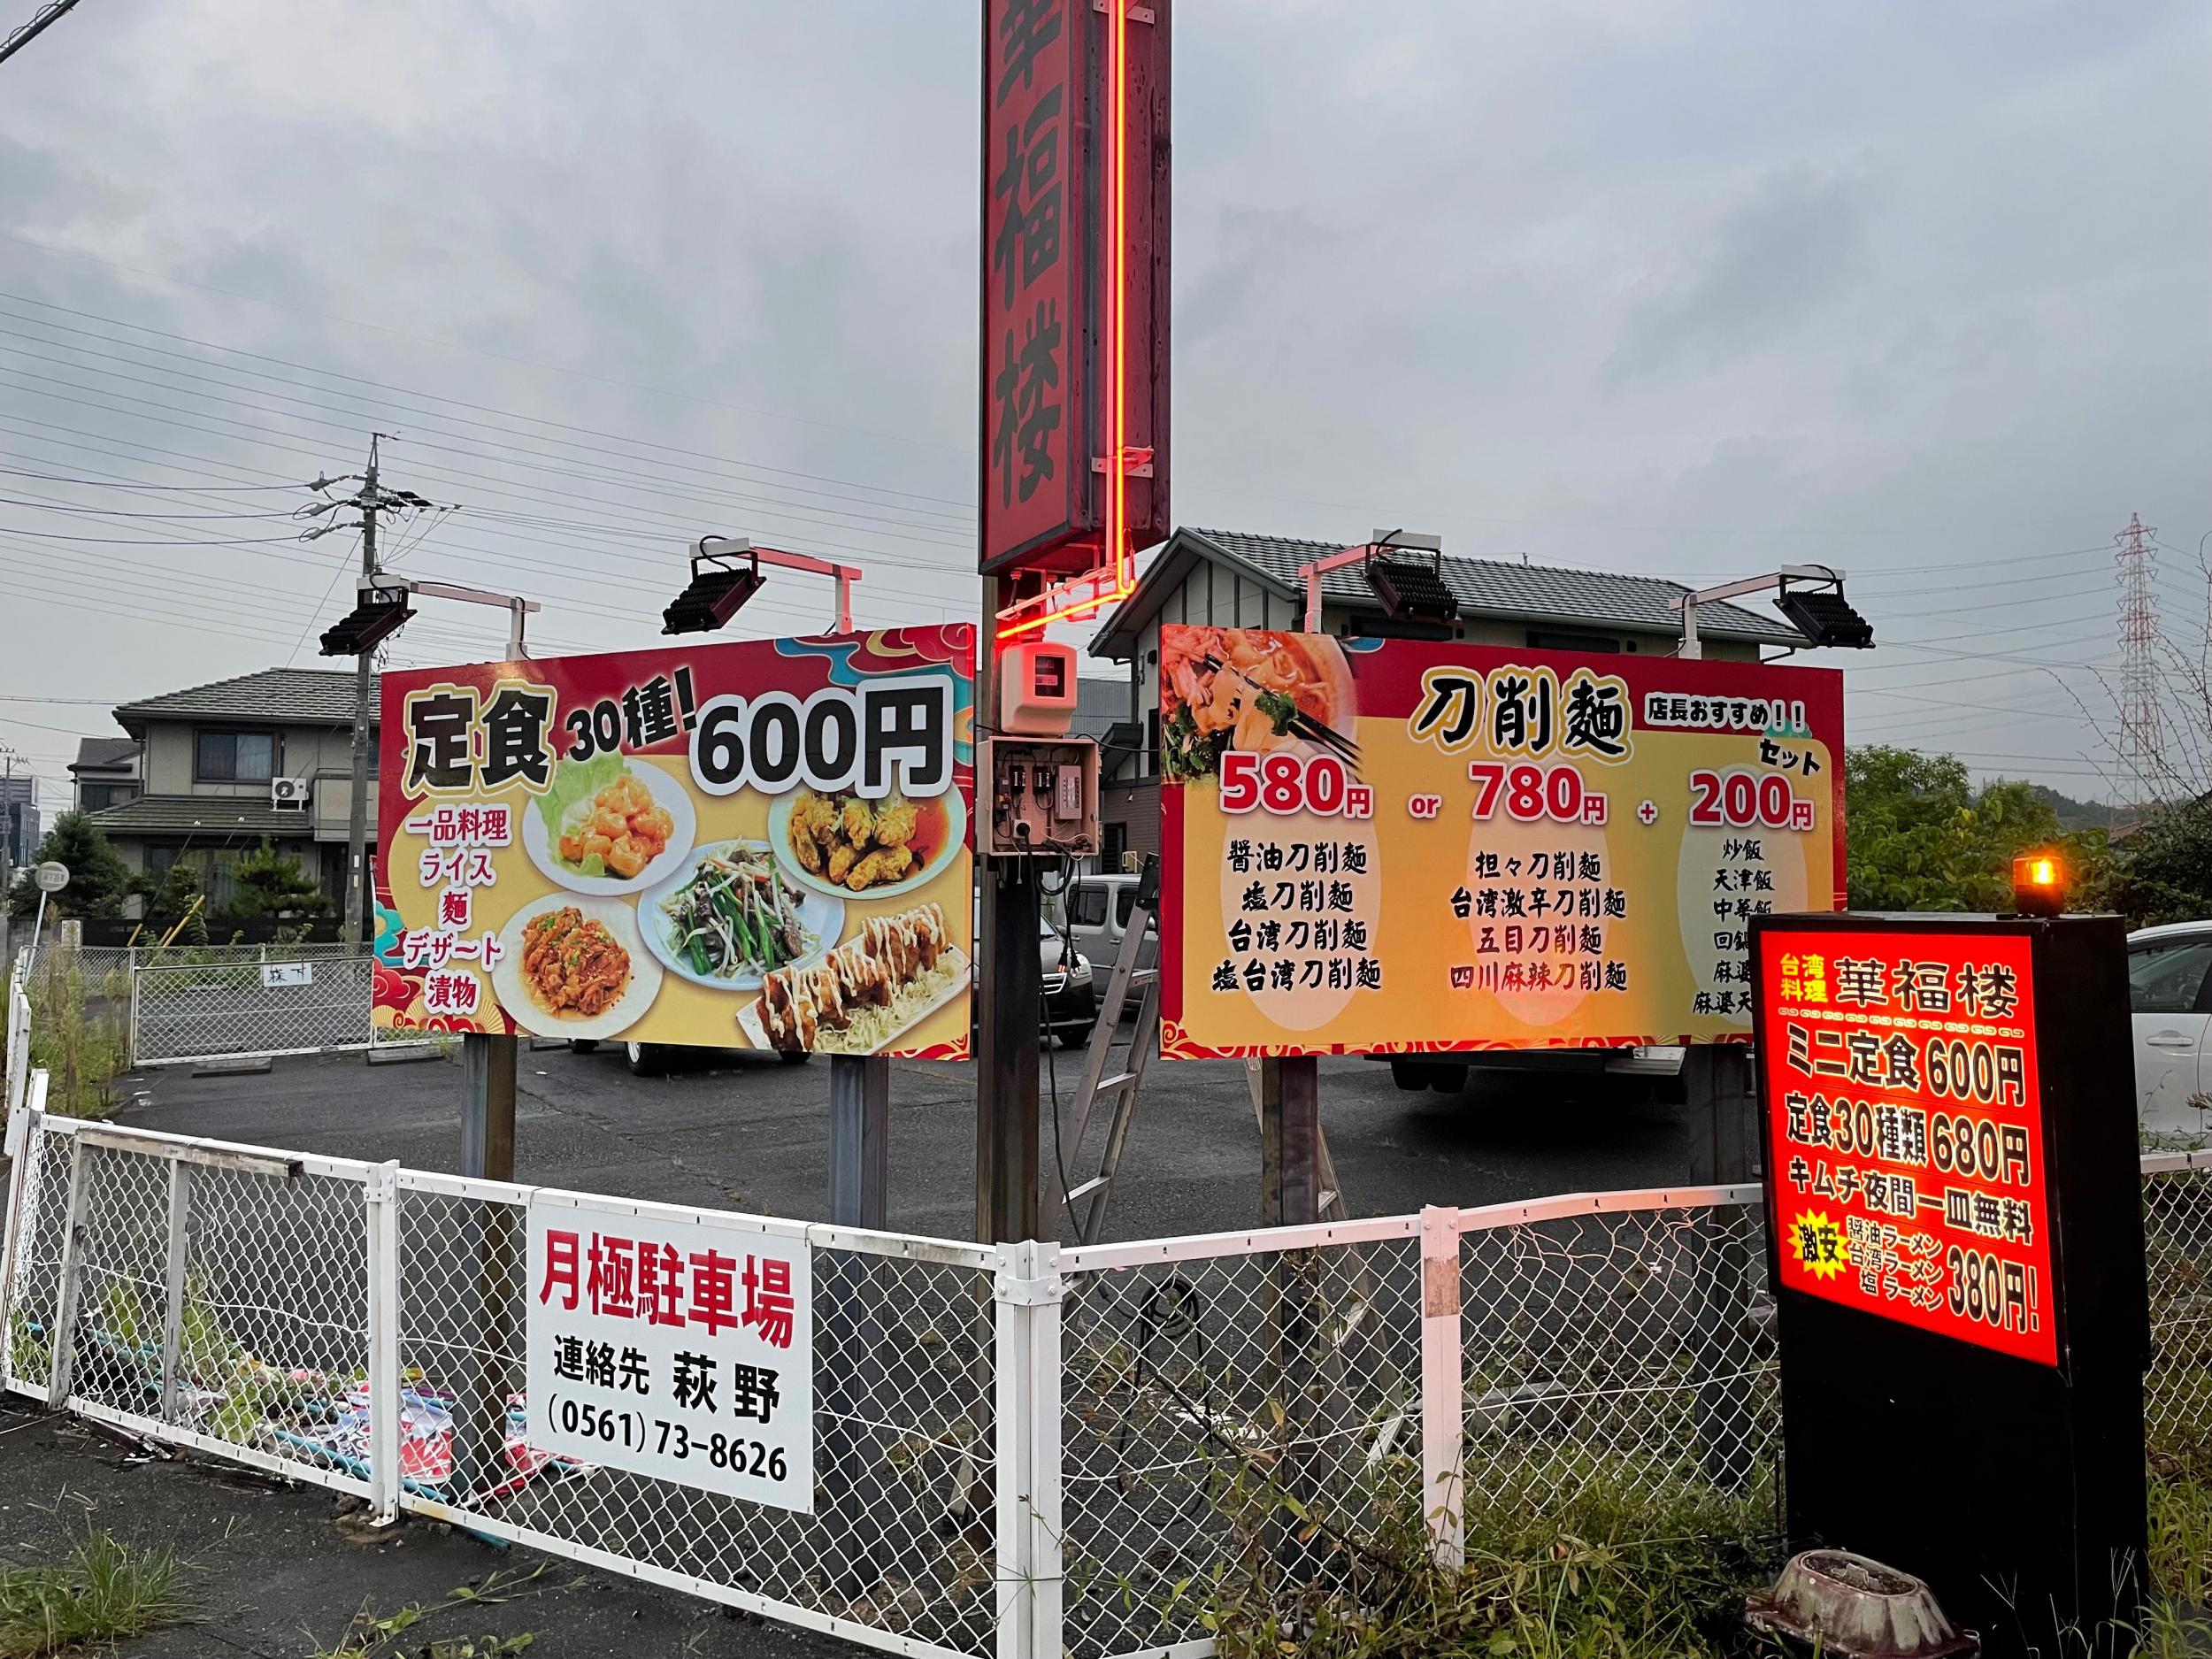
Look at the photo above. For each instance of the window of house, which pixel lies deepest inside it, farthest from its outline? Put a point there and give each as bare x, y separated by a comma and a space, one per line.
98, 796
1113, 843
1572, 640
234, 757
1152, 743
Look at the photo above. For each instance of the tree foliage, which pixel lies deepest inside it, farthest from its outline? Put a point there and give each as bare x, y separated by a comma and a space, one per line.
1921, 837
2161, 871
269, 883
98, 878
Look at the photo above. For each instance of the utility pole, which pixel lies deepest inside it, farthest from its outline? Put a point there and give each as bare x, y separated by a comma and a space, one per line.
354, 919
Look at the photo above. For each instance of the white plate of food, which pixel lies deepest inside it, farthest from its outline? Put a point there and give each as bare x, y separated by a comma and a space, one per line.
847, 847
729, 916
610, 826
574, 967
863, 996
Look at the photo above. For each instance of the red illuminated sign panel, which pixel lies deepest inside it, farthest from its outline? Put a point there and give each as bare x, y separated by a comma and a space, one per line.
1905, 1129
1074, 283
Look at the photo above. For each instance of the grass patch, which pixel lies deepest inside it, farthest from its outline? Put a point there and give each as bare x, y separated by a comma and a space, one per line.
101, 1590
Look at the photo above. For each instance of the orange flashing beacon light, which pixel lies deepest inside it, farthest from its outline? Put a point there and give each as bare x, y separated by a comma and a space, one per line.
2039, 884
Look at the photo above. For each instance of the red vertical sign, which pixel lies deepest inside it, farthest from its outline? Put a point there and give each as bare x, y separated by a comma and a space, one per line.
1074, 272
1034, 218
1905, 1129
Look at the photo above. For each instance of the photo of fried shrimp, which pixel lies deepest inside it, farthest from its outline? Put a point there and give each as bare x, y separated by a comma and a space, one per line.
618, 832
856, 843
573, 964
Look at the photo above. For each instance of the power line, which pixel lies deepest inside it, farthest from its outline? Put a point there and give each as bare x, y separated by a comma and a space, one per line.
450, 345
41, 19
56, 478
961, 509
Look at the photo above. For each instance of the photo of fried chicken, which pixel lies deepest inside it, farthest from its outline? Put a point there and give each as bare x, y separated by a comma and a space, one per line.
865, 992
573, 964
856, 843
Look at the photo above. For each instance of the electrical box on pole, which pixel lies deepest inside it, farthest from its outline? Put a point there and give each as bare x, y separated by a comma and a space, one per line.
1956, 1245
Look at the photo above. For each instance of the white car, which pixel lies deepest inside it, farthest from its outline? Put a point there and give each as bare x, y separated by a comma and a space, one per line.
2170, 1002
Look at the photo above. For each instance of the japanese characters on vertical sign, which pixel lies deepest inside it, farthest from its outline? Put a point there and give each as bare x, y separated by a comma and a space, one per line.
1399, 846
734, 845
1049, 315
673, 1349
1034, 223
1905, 1128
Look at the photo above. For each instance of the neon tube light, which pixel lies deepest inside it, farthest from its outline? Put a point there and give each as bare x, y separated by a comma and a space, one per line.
1115, 579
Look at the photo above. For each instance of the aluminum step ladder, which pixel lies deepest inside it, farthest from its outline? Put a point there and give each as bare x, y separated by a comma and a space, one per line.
1118, 1077
1107, 1077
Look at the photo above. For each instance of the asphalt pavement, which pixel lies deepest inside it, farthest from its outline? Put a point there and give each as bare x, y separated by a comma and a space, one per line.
748, 1133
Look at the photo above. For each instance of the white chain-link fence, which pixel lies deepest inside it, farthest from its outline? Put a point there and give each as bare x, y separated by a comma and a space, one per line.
238, 1002
1021, 1450
184, 1003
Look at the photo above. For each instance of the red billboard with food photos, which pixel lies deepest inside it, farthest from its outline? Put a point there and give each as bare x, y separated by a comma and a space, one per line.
755, 845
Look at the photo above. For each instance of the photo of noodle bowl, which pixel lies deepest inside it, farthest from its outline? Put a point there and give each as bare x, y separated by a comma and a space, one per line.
1247, 688
859, 997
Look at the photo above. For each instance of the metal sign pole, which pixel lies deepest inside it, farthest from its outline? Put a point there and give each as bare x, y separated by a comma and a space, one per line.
487, 1153
1290, 1141
860, 1140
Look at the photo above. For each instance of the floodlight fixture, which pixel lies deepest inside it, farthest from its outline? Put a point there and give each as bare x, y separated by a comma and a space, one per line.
726, 571
1412, 592
377, 613
719, 587
1823, 617
1818, 612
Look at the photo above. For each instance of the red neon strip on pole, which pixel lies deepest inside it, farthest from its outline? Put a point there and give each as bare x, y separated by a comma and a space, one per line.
1115, 579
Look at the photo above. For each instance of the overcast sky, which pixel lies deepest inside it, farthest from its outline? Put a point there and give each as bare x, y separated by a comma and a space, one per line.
1690, 289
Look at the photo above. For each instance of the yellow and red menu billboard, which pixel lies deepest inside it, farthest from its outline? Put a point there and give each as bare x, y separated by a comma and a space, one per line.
1905, 1150
746, 845
1405, 846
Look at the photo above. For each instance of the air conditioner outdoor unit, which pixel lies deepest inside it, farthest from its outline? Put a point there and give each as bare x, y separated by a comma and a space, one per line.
288, 791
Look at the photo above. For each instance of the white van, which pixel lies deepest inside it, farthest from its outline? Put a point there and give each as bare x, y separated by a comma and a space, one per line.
1097, 909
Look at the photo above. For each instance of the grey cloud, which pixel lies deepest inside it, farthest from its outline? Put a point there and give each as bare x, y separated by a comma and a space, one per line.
1770, 259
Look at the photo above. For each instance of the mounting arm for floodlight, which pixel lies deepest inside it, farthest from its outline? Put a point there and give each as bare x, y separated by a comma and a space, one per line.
513, 605
1846, 628
725, 551
1385, 541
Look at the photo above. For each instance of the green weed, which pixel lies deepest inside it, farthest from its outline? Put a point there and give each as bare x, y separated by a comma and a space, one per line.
103, 1590
374, 1635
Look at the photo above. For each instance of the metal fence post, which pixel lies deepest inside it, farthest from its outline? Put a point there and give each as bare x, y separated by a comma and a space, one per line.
1028, 1289
380, 1205
1443, 1390
172, 1312
24, 1149
62, 1340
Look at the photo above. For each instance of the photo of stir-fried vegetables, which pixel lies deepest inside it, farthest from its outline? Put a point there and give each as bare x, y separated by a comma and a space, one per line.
731, 917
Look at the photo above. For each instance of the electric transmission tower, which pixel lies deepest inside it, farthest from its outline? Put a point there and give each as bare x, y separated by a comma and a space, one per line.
2141, 752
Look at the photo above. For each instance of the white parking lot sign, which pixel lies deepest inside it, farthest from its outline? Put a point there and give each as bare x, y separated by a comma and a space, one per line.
672, 1349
